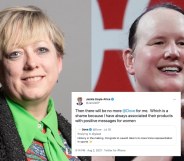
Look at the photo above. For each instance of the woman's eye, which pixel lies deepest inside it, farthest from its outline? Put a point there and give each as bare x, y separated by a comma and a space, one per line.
158, 43
14, 55
42, 50
181, 43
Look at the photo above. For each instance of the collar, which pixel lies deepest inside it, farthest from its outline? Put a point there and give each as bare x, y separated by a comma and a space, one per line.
28, 126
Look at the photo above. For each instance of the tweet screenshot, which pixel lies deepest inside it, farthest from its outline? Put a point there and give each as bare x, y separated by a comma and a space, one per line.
126, 123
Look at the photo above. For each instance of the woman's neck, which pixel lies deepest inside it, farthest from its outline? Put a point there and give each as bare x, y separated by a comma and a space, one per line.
37, 108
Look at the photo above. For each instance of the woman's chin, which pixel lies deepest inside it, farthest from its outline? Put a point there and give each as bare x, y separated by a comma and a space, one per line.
34, 96
171, 88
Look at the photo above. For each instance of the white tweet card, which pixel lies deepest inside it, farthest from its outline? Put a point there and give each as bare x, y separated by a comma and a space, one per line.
126, 123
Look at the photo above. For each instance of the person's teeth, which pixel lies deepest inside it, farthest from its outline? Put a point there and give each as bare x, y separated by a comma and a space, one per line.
33, 78
170, 69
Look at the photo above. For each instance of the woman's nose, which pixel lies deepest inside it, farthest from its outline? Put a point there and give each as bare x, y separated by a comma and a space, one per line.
172, 52
31, 61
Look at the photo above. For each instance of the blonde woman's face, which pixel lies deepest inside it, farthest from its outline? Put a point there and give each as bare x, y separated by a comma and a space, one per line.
30, 72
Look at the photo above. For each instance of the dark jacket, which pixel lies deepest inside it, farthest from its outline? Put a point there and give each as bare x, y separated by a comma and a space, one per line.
11, 148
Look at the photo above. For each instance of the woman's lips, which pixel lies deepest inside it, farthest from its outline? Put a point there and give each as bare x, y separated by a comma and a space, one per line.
170, 69
32, 78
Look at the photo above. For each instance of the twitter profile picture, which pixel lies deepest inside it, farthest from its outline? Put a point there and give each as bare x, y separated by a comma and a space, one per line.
79, 101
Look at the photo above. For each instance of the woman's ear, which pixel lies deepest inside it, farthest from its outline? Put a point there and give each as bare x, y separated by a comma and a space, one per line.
128, 59
60, 64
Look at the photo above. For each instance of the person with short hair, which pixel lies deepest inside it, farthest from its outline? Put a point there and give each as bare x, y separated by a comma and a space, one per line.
79, 99
31, 52
155, 56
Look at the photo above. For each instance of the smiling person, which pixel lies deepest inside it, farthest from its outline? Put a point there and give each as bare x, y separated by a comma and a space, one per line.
155, 56
31, 51
156, 50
